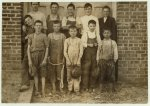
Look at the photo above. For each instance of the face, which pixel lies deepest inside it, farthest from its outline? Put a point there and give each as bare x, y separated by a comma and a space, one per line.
106, 12
73, 32
106, 34
38, 27
35, 6
56, 27
92, 27
88, 10
70, 11
28, 21
54, 9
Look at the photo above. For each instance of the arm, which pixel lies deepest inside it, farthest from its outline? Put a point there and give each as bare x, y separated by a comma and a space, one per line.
64, 21
80, 53
115, 52
66, 51
114, 30
28, 52
84, 40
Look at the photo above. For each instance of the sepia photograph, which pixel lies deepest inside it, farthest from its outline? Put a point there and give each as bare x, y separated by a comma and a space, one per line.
75, 52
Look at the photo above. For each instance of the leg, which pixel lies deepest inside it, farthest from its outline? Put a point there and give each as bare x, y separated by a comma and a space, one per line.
77, 84
69, 78
43, 86
36, 85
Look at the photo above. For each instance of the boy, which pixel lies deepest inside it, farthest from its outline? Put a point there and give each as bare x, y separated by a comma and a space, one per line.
88, 16
107, 55
28, 28
70, 20
37, 56
56, 56
73, 52
90, 40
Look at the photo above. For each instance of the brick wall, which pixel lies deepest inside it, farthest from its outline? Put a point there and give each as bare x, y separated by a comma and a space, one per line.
11, 49
132, 41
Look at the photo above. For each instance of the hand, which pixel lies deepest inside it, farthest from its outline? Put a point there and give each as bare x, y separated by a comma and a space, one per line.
95, 44
24, 28
90, 45
68, 63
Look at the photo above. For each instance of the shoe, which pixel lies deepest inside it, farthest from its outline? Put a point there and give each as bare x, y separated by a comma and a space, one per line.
37, 94
23, 88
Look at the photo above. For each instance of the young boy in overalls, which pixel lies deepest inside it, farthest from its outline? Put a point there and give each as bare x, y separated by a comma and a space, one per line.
107, 56
53, 16
73, 51
37, 56
90, 40
56, 57
70, 20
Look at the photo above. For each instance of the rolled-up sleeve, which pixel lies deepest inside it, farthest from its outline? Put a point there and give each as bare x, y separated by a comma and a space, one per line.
84, 39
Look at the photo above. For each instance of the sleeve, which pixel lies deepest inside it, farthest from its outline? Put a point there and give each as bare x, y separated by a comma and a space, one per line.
81, 49
84, 39
97, 27
46, 41
99, 39
114, 30
29, 40
44, 22
64, 21
66, 50
115, 51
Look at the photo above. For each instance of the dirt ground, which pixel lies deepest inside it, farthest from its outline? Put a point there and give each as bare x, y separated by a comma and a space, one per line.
126, 93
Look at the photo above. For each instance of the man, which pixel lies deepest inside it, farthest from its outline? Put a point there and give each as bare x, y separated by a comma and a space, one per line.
53, 16
37, 15
108, 22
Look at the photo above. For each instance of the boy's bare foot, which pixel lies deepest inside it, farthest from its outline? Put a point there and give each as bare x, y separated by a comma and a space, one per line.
23, 88
77, 93
69, 93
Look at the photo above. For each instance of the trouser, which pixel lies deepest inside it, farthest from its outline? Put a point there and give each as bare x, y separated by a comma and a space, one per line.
107, 68
88, 66
73, 83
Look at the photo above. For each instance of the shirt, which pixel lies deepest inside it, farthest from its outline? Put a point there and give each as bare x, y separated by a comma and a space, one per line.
38, 42
89, 34
84, 22
38, 16
73, 50
105, 18
65, 19
108, 50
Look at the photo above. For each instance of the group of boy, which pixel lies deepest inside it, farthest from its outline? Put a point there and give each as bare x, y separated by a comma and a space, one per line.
62, 48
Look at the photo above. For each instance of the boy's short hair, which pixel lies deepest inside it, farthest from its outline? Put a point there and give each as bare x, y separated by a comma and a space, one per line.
72, 27
92, 22
56, 22
71, 5
106, 29
54, 3
106, 7
37, 2
87, 5
38, 21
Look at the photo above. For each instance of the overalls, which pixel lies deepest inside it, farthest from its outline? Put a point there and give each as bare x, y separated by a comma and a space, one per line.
89, 64
50, 24
55, 58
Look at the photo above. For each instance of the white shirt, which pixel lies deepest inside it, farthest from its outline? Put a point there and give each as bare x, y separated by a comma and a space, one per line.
89, 34
105, 18
84, 22
38, 16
